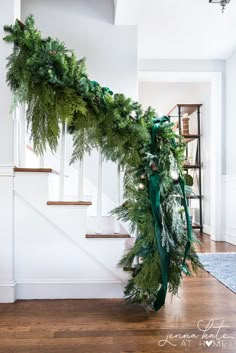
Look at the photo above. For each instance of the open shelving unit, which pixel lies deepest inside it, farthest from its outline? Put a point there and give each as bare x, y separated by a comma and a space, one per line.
194, 113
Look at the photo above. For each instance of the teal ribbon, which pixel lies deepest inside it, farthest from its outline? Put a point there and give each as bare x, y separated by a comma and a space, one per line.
154, 190
154, 194
189, 226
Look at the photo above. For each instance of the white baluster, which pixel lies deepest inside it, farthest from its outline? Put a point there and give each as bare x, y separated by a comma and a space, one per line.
117, 223
99, 195
41, 161
62, 162
16, 119
22, 135
81, 180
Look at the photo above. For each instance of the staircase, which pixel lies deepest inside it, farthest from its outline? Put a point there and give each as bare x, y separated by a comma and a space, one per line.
54, 255
67, 245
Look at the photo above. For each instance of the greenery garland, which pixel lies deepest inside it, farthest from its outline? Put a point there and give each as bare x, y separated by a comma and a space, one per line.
47, 77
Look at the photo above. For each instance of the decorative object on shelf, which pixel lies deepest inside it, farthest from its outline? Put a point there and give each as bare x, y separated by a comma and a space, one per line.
46, 76
192, 162
223, 3
188, 179
185, 121
186, 162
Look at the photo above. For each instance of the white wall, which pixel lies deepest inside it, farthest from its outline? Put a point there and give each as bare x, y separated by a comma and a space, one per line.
87, 27
8, 13
229, 181
163, 97
230, 114
181, 65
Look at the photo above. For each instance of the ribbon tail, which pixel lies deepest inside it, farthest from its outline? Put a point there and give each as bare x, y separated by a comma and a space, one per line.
189, 227
154, 189
164, 262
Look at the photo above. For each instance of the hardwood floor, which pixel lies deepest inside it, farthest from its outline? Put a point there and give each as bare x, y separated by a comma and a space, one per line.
207, 245
102, 326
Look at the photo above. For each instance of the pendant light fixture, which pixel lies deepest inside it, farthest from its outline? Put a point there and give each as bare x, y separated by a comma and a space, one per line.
223, 3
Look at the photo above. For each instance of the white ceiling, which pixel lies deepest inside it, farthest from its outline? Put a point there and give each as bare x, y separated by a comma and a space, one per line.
180, 29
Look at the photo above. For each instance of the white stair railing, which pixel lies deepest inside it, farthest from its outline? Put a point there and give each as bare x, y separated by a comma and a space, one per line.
81, 180
19, 136
118, 201
41, 161
22, 137
16, 122
75, 174
62, 162
99, 195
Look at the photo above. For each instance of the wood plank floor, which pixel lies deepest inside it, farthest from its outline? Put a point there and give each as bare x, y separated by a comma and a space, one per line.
102, 326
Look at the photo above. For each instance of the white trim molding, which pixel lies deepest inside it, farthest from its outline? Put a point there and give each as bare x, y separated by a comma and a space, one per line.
7, 292
216, 217
6, 170
206, 229
69, 289
229, 187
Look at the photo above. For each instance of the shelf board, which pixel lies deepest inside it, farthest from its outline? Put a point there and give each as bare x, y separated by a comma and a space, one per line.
191, 166
185, 108
189, 138
129, 269
194, 197
193, 136
196, 227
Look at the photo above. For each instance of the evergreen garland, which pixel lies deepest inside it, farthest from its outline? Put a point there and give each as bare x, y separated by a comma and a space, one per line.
54, 85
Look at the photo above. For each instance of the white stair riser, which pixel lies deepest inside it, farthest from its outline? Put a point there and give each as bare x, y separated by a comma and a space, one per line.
33, 186
54, 259
108, 225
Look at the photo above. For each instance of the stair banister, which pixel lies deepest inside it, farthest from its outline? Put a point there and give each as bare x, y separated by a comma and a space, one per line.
99, 195
81, 180
118, 201
41, 161
19, 136
16, 120
62, 162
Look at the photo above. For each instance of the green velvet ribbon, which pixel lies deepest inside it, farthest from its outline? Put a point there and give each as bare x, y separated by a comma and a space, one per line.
189, 226
154, 190
155, 196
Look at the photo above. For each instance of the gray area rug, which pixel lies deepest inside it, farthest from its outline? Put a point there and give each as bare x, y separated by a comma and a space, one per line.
222, 266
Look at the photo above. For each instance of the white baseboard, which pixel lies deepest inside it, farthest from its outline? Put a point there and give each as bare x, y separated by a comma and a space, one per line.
7, 292
230, 238
206, 229
67, 290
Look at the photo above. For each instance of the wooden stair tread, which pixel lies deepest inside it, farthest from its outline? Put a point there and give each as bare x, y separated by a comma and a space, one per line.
69, 203
129, 269
107, 236
34, 170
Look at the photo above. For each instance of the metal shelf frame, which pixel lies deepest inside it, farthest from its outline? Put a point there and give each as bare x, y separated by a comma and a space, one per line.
178, 112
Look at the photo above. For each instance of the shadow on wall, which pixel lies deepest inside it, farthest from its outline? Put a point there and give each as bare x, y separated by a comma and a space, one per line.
100, 11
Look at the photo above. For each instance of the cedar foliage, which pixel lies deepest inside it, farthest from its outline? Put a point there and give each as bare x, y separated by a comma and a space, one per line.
54, 85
